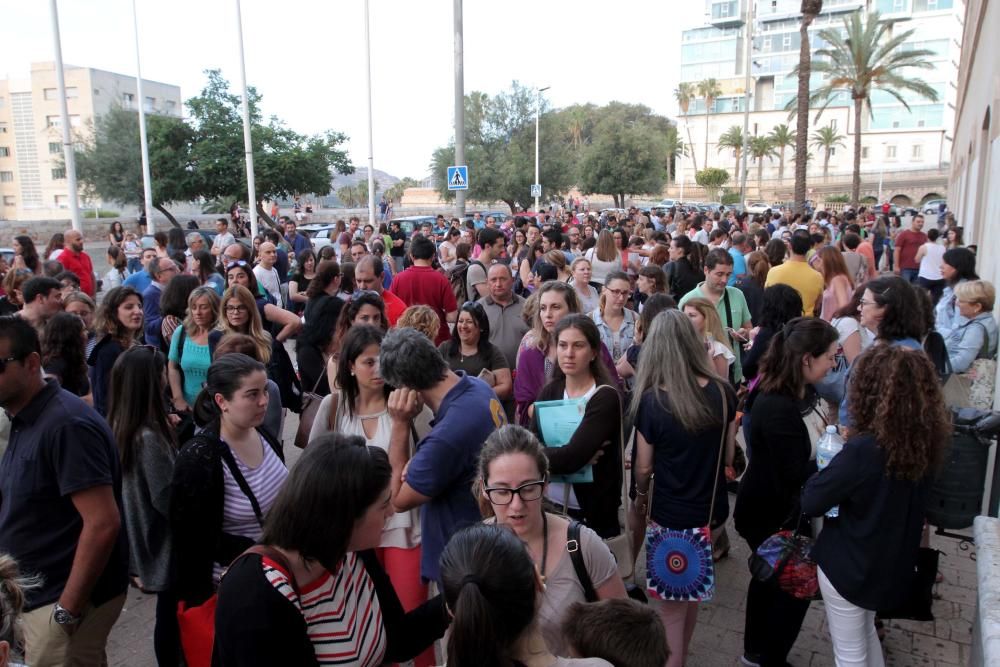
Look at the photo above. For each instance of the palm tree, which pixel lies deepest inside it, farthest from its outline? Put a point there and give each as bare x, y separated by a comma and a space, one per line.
810, 10
684, 94
781, 137
710, 90
864, 58
760, 148
732, 139
575, 125
675, 149
826, 139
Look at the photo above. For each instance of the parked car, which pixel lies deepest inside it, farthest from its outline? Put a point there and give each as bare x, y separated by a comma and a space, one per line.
757, 208
320, 235
207, 234
933, 206
667, 203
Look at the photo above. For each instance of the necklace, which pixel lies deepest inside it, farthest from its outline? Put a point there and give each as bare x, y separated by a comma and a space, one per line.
545, 544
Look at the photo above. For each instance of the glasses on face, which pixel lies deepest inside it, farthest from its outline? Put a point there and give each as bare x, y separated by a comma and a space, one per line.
529, 491
4, 362
620, 293
236, 309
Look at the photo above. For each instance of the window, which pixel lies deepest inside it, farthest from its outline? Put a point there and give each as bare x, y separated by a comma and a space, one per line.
170, 106
97, 92
55, 148
920, 123
52, 94
59, 173
833, 123
8, 200
786, 41
766, 44
3, 102
127, 100
3, 128
149, 104
833, 151
864, 152
890, 152
6, 177
898, 5
53, 121
4, 151
917, 152
61, 201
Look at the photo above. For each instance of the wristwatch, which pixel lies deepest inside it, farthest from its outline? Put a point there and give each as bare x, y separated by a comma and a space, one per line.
63, 617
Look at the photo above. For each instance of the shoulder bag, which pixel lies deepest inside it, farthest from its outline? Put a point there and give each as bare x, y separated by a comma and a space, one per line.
679, 564
310, 406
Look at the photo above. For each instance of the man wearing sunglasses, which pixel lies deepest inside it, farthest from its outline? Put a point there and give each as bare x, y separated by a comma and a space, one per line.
60, 508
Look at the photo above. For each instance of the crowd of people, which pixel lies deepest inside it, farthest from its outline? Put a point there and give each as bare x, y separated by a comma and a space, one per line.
498, 417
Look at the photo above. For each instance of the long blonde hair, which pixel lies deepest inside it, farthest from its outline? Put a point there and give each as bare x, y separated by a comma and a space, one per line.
197, 293
713, 324
606, 250
255, 328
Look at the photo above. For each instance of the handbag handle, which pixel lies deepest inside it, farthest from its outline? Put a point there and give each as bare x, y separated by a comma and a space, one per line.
722, 446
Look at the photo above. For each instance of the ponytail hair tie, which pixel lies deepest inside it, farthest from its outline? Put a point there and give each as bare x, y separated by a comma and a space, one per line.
786, 331
469, 579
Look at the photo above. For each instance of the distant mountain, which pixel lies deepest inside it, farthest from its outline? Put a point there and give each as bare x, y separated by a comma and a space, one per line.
384, 179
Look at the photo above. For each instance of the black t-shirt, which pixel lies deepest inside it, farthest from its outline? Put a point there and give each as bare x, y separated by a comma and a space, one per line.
491, 359
58, 446
683, 462
6, 307
401, 250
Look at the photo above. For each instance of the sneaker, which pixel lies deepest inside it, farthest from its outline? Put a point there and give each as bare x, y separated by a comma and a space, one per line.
749, 661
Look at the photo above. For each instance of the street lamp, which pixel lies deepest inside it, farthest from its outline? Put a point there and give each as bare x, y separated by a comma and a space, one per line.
748, 83
881, 169
538, 106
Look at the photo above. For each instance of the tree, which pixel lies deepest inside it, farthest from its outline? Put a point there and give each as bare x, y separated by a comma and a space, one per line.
732, 139
109, 162
285, 163
862, 57
349, 196
810, 10
684, 94
712, 179
675, 149
625, 156
395, 192
760, 148
826, 139
710, 90
781, 137
362, 189
500, 148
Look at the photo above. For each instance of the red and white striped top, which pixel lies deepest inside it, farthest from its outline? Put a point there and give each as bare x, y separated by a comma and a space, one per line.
342, 613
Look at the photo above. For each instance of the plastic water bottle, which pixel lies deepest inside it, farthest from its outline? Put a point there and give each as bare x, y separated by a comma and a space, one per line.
829, 445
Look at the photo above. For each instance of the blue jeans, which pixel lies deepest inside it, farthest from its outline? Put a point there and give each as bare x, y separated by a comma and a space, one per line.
910, 275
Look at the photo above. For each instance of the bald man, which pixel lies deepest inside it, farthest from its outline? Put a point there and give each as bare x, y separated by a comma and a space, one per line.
74, 259
267, 276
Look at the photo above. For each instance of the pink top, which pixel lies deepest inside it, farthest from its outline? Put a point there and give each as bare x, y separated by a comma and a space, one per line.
830, 303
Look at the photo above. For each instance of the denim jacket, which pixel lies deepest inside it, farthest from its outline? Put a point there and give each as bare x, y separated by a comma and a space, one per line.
626, 333
970, 340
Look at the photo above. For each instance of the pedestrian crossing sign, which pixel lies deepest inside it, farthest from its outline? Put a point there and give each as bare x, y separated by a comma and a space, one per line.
536, 190
458, 177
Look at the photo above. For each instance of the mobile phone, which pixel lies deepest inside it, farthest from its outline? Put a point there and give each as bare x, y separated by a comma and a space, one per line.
735, 334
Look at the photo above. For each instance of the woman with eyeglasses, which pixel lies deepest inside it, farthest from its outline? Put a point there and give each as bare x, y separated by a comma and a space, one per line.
615, 322
225, 479
536, 355
239, 314
147, 448
513, 479
190, 347
316, 344
318, 595
470, 350
119, 327
358, 407
278, 319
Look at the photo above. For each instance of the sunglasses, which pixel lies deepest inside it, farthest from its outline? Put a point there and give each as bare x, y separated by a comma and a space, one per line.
236, 264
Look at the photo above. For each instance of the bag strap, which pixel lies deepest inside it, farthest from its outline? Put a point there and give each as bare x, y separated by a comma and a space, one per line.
334, 408
319, 378
267, 551
573, 546
722, 446
241, 481
621, 463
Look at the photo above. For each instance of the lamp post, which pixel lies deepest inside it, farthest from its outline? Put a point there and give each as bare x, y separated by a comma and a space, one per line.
538, 107
746, 111
147, 187
371, 150
459, 101
247, 139
67, 140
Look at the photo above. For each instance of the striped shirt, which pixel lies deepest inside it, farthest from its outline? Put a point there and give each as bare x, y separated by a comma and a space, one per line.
265, 481
342, 613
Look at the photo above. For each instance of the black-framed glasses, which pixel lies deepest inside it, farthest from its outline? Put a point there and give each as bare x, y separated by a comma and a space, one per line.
502, 495
4, 362
236, 309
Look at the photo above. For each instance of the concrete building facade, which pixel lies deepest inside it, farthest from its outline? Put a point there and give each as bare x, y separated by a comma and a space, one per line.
32, 182
893, 139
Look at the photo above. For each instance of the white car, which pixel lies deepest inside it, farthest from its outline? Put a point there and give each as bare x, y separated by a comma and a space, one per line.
667, 203
319, 235
757, 208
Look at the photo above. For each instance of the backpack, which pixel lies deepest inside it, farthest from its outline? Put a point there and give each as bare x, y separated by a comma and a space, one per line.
458, 277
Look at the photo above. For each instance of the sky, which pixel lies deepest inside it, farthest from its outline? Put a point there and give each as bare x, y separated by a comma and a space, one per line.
307, 58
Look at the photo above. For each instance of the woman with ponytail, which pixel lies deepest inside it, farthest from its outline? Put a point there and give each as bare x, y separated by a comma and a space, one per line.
313, 591
226, 478
785, 423
493, 592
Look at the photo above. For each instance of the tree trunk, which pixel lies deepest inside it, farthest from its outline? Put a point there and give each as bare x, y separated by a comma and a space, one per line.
760, 173
617, 201
705, 165
736, 171
694, 159
670, 161
510, 205
262, 215
165, 212
781, 165
802, 112
856, 181
826, 164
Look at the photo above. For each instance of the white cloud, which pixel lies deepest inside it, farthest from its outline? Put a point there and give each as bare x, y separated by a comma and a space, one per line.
307, 58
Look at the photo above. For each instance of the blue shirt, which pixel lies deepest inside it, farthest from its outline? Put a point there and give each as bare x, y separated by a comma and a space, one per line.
739, 266
299, 243
139, 281
444, 465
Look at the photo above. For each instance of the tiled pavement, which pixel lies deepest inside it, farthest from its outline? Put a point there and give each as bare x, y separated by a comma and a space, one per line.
718, 639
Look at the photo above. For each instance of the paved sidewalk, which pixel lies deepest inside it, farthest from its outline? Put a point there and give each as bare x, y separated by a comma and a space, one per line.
718, 638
